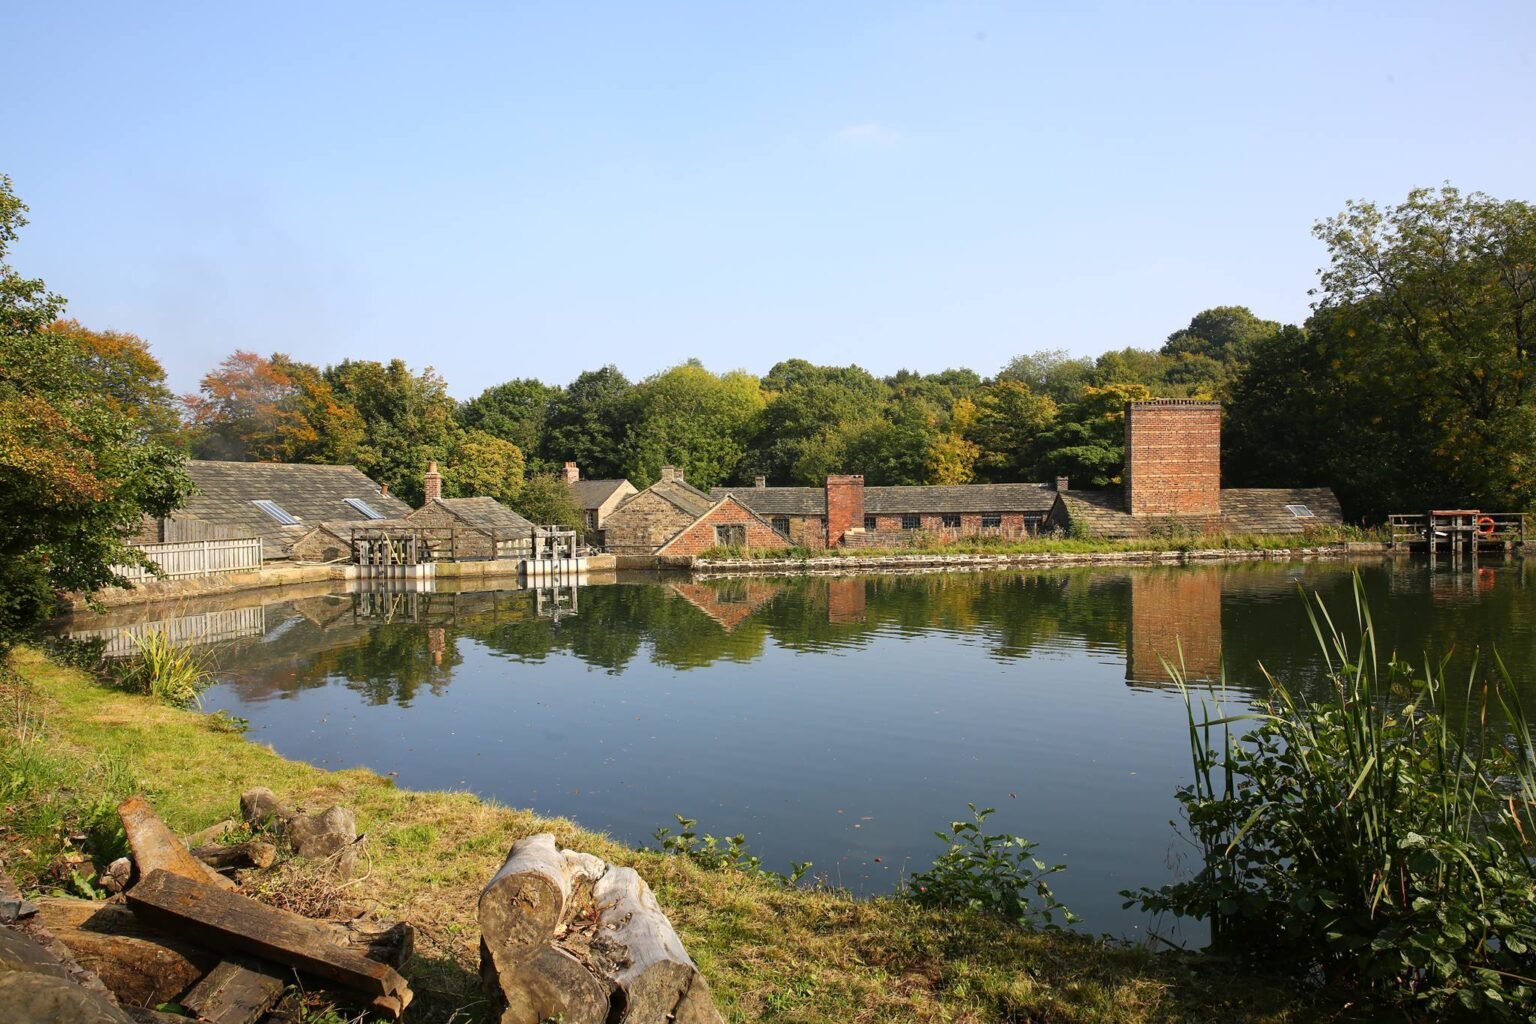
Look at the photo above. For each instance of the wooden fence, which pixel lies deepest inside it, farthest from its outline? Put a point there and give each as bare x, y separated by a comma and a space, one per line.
182, 630
196, 558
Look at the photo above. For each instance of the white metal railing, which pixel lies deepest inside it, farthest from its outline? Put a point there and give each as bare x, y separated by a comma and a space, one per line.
196, 558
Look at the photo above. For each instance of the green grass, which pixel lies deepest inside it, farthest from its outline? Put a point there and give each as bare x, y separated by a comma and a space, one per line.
1046, 545
71, 748
162, 669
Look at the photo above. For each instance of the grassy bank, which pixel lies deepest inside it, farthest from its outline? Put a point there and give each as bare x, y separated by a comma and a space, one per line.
71, 748
1046, 545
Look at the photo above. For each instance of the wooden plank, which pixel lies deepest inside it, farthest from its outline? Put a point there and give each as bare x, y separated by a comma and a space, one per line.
230, 921
139, 964
155, 847
238, 991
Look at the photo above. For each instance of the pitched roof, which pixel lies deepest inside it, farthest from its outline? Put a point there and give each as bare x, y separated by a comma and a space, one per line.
1263, 509
1100, 514
935, 498
310, 494
485, 513
681, 494
592, 493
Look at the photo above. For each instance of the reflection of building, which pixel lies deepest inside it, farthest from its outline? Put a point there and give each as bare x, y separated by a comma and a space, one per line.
729, 602
845, 600
1175, 618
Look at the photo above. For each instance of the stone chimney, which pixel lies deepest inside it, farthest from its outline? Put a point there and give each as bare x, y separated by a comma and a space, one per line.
760, 482
1173, 458
432, 482
572, 472
845, 507
384, 490
672, 473
1061, 483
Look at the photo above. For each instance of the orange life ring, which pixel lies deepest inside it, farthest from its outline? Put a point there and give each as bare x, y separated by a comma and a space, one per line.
1486, 526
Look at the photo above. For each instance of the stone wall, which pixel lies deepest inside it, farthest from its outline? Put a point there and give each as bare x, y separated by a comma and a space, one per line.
1173, 459
703, 535
643, 524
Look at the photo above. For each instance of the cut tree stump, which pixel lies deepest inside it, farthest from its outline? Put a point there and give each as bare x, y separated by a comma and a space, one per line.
155, 847
237, 991
568, 936
229, 921
139, 964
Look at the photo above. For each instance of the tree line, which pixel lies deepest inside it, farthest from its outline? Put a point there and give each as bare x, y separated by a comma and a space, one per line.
1409, 386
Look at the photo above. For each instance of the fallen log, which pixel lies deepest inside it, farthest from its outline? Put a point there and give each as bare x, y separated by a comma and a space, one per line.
250, 854
524, 903
155, 847
36, 987
237, 991
139, 964
553, 985
657, 981
229, 921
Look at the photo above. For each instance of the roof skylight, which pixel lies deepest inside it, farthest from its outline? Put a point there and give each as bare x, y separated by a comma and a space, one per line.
368, 511
1300, 511
276, 511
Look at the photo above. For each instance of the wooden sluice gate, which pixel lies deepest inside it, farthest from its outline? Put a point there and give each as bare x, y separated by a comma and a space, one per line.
395, 553
1462, 534
557, 558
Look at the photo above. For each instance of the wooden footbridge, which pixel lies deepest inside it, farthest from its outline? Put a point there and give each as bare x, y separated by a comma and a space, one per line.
1460, 533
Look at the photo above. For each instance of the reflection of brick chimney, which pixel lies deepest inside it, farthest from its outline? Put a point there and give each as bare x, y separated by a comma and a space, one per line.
432, 482
1173, 458
572, 472
845, 507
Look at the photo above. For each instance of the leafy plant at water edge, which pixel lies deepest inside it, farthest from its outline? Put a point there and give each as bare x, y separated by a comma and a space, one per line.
164, 671
995, 874
720, 852
1381, 843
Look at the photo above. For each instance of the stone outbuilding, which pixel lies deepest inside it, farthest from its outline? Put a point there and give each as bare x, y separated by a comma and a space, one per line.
477, 527
645, 521
725, 524
596, 498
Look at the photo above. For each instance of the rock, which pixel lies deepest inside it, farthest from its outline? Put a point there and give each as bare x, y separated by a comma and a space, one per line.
260, 806
329, 836
117, 876
37, 988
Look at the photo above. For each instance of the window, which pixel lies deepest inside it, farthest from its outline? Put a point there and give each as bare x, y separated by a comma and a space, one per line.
1300, 511
781, 523
276, 511
870, 524
911, 522
731, 535
991, 520
368, 511
951, 522
590, 518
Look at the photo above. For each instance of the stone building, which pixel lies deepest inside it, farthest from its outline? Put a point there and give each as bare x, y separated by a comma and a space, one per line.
646, 520
725, 524
1172, 485
596, 498
480, 527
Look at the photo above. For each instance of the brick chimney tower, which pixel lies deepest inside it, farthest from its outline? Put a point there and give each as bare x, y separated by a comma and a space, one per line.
432, 482
572, 472
1173, 458
845, 507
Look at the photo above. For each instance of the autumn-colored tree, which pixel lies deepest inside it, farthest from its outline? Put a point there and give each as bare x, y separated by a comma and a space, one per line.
259, 409
132, 378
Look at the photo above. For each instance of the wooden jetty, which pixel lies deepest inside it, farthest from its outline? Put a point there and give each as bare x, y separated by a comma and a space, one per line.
1460, 533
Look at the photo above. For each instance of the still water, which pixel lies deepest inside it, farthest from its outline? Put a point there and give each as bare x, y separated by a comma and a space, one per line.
839, 721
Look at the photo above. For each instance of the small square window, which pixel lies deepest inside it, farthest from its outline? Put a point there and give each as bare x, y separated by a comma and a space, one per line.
731, 535
871, 524
1300, 511
781, 523
911, 522
951, 522
991, 520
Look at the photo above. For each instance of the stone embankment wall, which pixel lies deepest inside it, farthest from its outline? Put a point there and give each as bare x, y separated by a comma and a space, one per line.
926, 563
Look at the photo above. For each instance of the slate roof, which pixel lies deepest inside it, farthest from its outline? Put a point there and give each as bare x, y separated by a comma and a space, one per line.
1262, 509
934, 499
591, 494
486, 514
680, 493
310, 494
1100, 514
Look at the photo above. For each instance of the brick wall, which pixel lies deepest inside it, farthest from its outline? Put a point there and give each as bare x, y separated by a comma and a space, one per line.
845, 507
700, 537
1173, 458
1173, 611
889, 534
845, 600
642, 525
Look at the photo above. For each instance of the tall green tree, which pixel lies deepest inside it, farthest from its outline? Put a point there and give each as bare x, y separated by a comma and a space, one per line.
77, 471
692, 418
808, 409
516, 411
587, 423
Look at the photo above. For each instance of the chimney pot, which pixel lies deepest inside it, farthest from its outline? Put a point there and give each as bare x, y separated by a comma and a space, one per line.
432, 482
572, 472
384, 490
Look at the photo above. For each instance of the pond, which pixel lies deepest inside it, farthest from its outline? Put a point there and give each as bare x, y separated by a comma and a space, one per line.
836, 720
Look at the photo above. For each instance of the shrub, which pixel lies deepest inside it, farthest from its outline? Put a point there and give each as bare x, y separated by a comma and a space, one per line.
717, 853
995, 874
164, 671
1373, 837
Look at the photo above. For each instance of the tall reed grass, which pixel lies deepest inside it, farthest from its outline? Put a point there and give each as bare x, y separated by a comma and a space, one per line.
1378, 837
161, 669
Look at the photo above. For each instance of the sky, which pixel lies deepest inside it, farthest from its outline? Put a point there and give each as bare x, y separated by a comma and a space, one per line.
533, 189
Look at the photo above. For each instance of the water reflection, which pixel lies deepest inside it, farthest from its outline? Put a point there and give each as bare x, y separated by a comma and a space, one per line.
839, 720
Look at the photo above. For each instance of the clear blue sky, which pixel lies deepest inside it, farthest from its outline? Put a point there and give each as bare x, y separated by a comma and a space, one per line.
507, 190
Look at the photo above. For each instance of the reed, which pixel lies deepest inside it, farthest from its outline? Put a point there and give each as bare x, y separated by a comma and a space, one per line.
165, 671
1377, 836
